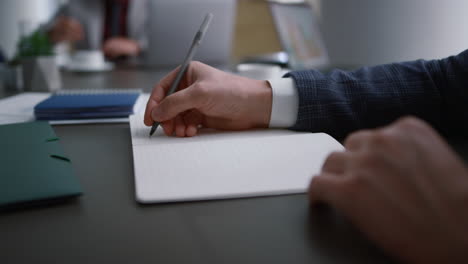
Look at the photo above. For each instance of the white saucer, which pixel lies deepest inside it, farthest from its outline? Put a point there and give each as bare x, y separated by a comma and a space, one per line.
75, 67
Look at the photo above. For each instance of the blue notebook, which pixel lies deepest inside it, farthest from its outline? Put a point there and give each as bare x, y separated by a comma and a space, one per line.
65, 106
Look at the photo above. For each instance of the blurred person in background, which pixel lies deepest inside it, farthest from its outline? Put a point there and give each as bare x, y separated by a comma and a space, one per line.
118, 27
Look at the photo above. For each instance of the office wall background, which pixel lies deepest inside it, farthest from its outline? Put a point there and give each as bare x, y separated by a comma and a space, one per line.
12, 12
367, 32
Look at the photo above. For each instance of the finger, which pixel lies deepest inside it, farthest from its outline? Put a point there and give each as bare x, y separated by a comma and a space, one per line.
107, 49
164, 85
72, 35
179, 126
77, 28
335, 163
176, 104
149, 107
65, 34
192, 120
72, 29
72, 23
157, 94
191, 130
75, 37
112, 51
111, 48
412, 127
68, 22
72, 26
325, 188
60, 22
168, 127
113, 54
357, 140
76, 34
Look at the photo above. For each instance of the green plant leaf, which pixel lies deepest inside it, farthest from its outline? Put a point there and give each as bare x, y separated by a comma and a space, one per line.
34, 45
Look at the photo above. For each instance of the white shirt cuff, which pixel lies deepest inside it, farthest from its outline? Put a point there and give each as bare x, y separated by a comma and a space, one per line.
285, 103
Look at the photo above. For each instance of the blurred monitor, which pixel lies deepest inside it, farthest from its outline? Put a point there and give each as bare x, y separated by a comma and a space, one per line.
299, 34
173, 24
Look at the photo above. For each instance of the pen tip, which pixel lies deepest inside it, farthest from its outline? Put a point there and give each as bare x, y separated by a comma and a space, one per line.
153, 128
151, 132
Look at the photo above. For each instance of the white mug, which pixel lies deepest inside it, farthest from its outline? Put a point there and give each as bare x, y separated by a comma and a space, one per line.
259, 71
88, 58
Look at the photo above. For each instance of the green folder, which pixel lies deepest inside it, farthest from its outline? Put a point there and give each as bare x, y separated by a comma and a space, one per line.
34, 168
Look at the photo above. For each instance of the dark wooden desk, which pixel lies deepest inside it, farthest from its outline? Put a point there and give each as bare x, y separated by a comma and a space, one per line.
106, 225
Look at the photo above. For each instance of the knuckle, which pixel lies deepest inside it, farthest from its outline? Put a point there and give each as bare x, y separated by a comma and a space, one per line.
348, 140
200, 90
354, 185
366, 160
197, 88
163, 108
410, 122
381, 138
333, 156
412, 127
355, 138
195, 63
330, 160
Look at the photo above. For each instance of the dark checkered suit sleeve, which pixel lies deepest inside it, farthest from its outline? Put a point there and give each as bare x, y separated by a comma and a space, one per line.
341, 102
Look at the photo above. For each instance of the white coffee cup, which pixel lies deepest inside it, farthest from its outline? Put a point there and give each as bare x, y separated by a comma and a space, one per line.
88, 58
259, 71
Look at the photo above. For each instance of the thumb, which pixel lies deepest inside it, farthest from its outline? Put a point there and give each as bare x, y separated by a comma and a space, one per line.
325, 188
175, 104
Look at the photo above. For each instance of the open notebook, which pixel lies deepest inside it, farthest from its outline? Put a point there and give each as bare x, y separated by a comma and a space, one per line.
218, 165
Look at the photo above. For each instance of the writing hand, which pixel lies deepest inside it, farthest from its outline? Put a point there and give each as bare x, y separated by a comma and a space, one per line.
211, 98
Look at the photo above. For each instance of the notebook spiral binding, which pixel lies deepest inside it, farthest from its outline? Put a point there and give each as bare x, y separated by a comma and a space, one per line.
97, 91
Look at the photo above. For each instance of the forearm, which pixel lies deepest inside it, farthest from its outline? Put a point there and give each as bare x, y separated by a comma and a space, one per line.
341, 102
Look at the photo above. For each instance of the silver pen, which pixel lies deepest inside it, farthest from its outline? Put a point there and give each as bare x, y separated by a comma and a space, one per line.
183, 68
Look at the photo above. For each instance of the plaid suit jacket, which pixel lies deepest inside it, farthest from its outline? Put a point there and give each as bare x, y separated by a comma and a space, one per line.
341, 102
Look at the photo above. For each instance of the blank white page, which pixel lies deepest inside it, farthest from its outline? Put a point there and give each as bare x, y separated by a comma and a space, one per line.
20, 108
217, 165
